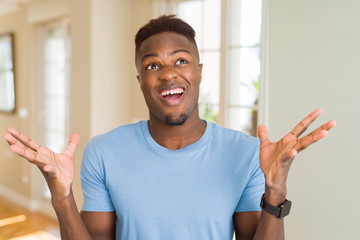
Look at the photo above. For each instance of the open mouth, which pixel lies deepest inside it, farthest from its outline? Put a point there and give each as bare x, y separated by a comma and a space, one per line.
172, 94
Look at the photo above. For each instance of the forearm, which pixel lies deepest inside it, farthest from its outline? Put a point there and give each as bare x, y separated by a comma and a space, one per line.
71, 224
271, 227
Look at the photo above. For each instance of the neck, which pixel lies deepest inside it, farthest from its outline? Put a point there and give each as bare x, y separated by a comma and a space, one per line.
177, 137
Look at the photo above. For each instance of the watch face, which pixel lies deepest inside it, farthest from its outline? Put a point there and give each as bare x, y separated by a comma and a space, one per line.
285, 209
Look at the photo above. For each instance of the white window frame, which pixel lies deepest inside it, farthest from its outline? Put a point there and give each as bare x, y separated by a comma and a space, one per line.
169, 7
40, 201
63, 24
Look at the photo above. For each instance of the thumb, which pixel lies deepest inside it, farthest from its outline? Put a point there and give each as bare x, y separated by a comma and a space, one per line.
72, 144
263, 134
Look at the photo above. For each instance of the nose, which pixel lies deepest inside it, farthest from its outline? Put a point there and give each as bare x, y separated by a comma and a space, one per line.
168, 73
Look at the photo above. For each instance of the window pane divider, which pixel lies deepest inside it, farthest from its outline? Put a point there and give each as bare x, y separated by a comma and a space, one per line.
223, 63
244, 46
254, 107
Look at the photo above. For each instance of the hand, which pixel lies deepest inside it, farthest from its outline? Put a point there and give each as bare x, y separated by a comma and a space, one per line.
58, 169
276, 158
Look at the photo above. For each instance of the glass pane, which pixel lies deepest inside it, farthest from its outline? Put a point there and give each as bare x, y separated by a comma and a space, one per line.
205, 17
55, 87
210, 83
57, 64
6, 62
243, 119
191, 12
55, 114
245, 28
55, 80
7, 93
209, 112
212, 24
55, 141
244, 76
7, 88
54, 49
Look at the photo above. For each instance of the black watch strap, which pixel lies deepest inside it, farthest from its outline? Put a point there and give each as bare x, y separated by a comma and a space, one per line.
281, 211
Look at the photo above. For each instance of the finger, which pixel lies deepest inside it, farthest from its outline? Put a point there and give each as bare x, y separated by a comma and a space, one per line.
72, 144
304, 124
314, 136
9, 138
24, 152
12, 140
263, 135
28, 142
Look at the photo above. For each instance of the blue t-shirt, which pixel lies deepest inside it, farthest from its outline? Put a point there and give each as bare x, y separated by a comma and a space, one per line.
190, 193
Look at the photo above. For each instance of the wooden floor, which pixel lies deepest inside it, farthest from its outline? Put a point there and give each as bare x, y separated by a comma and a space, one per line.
17, 223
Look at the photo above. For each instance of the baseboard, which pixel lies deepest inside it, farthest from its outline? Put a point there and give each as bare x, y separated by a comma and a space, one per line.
27, 203
17, 198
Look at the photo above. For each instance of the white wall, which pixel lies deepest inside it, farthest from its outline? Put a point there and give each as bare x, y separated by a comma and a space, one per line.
102, 74
112, 64
143, 12
314, 63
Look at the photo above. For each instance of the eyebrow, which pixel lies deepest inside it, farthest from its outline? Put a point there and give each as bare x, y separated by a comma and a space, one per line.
147, 56
182, 50
156, 55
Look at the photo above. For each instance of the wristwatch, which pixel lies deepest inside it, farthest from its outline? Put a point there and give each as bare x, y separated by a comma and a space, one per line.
280, 211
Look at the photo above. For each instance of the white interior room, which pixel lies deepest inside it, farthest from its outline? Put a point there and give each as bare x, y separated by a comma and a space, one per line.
304, 56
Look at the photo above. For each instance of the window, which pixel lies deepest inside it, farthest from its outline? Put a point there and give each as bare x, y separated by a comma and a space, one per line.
55, 99
7, 85
228, 37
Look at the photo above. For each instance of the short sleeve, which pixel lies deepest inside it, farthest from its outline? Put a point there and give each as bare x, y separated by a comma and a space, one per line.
96, 194
251, 196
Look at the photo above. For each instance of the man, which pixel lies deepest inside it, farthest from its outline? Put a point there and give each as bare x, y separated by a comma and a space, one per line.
174, 176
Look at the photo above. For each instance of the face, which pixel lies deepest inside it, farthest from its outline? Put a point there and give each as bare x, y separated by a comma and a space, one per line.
169, 76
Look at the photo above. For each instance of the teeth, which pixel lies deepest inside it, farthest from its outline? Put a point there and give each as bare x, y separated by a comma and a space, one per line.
172, 91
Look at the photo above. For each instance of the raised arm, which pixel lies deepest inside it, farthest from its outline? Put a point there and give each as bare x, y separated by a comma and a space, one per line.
58, 170
275, 162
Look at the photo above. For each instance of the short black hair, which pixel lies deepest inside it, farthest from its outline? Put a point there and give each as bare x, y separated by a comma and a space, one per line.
164, 23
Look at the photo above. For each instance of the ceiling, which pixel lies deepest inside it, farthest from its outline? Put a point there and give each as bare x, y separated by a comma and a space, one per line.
8, 6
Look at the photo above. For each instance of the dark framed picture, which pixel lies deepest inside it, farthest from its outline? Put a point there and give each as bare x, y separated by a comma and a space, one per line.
7, 79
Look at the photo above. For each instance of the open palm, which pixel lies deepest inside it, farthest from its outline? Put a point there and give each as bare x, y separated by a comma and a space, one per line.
277, 157
57, 168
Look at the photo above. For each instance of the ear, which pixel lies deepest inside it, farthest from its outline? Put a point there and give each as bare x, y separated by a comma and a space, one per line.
139, 81
200, 67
